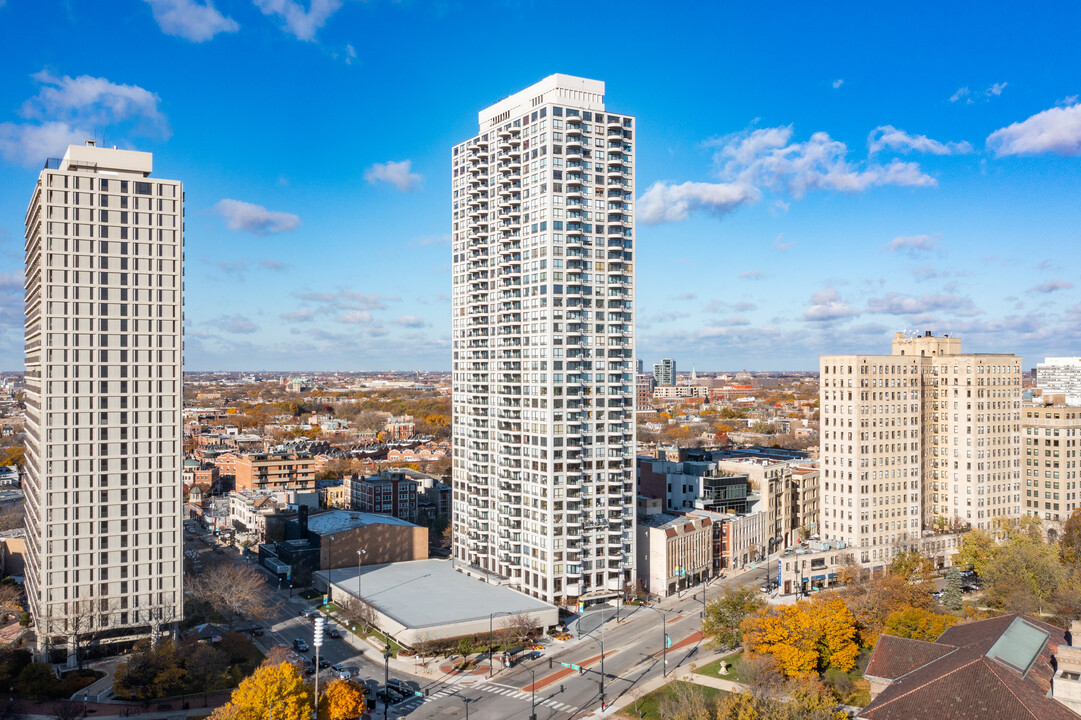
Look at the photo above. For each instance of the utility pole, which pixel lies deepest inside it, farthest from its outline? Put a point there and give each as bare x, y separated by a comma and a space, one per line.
386, 676
533, 699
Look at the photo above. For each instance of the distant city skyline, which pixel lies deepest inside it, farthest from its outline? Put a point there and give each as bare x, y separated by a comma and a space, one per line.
805, 185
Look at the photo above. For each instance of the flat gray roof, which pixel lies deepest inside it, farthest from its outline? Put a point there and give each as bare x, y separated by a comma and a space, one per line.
426, 593
333, 521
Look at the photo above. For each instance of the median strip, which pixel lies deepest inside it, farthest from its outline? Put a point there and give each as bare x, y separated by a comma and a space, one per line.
559, 675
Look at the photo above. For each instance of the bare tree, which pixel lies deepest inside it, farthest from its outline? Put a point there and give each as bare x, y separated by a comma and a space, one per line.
234, 591
78, 624
522, 627
686, 701
357, 613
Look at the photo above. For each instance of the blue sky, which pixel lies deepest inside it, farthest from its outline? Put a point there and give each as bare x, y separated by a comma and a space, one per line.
810, 179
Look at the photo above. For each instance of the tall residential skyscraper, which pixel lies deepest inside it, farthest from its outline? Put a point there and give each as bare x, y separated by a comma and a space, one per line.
925, 437
543, 328
664, 372
104, 253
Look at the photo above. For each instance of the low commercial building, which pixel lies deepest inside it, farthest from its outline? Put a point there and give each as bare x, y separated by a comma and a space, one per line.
342, 539
249, 509
425, 600
675, 552
690, 485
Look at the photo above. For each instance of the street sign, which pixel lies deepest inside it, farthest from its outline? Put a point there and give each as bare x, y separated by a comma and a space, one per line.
667, 640
572, 667
418, 693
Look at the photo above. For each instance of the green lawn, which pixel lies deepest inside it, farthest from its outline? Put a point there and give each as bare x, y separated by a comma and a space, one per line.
735, 668
648, 707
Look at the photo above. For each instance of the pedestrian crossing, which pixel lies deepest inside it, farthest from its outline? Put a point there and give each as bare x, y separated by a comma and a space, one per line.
493, 688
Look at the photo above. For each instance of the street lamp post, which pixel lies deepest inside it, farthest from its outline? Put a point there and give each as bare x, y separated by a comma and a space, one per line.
603, 704
533, 697
360, 554
386, 675
491, 652
664, 640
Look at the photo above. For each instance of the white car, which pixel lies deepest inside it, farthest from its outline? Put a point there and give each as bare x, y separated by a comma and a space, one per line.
343, 672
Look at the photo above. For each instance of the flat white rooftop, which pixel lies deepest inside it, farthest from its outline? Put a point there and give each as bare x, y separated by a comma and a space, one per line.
338, 520
430, 593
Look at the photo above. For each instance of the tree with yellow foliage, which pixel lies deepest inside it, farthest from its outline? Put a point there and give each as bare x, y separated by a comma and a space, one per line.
342, 700
804, 638
918, 624
272, 692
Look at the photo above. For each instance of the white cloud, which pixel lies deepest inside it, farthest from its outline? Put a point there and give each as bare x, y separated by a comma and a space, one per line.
664, 202
838, 83
350, 54
298, 316
1056, 130
399, 174
355, 317
191, 19
270, 264
780, 246
685, 296
752, 275
827, 305
71, 110
410, 321
768, 157
969, 97
300, 23
996, 89
237, 324
887, 137
1051, 286
897, 304
911, 243
961, 94
91, 99
29, 145
249, 217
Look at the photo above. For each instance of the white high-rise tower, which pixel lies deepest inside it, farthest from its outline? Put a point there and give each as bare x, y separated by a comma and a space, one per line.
543, 328
104, 252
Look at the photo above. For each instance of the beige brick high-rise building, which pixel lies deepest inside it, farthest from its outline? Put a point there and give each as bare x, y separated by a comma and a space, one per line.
104, 252
924, 437
1051, 432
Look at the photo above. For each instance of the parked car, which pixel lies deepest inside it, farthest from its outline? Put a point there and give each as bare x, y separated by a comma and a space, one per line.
389, 697
343, 672
400, 686
308, 613
323, 663
300, 645
334, 633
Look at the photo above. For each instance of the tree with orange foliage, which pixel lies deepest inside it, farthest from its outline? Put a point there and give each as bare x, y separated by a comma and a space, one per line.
872, 601
837, 646
342, 700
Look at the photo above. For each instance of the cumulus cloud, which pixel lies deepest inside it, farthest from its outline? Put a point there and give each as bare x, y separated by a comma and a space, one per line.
355, 317
897, 304
666, 202
399, 174
887, 137
911, 243
249, 217
410, 321
838, 83
1051, 286
298, 316
302, 24
827, 305
1056, 130
961, 94
768, 157
28, 144
190, 19
237, 324
67, 110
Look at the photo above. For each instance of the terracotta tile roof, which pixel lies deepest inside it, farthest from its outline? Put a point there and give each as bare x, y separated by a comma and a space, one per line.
894, 656
964, 681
